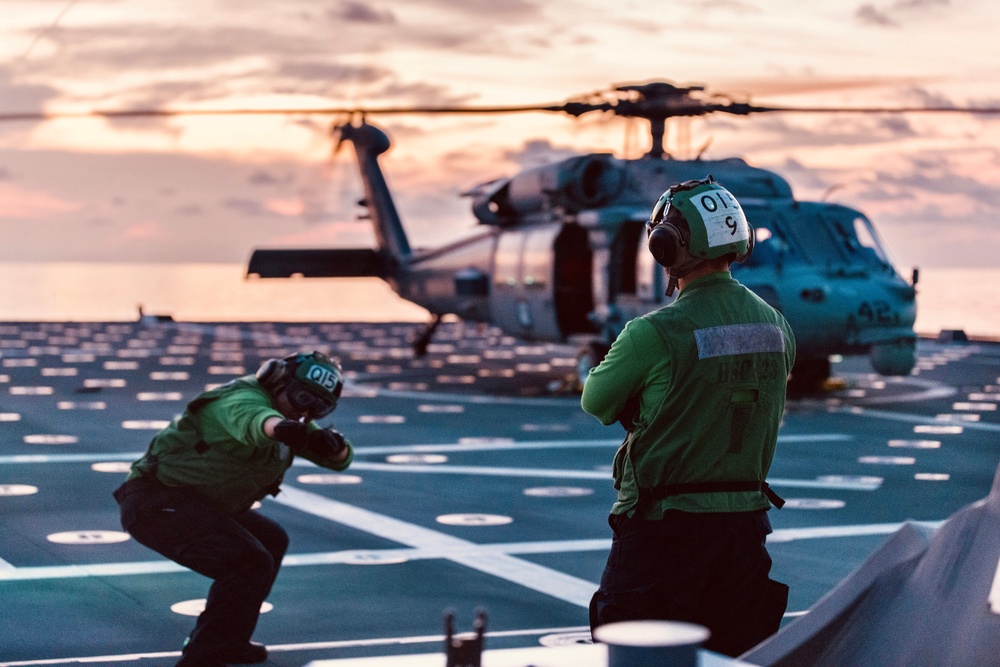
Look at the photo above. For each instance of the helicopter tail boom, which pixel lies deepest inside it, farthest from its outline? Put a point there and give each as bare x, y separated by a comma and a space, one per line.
315, 263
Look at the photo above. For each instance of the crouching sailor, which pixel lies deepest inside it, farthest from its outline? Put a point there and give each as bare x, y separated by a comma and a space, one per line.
190, 496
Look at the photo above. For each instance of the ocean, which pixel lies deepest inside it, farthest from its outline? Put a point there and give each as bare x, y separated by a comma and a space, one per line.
947, 298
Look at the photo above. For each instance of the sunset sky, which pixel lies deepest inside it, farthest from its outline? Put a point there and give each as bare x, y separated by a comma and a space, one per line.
212, 189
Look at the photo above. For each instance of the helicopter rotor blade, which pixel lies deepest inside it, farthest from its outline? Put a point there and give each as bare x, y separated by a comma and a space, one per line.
287, 111
655, 101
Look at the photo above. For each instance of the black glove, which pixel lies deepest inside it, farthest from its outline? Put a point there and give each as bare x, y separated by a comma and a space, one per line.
327, 443
292, 433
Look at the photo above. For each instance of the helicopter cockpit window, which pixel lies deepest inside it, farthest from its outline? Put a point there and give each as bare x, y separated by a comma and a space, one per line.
858, 241
868, 238
771, 242
769, 247
818, 237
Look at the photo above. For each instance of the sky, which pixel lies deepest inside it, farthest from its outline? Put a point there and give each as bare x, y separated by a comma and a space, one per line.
211, 189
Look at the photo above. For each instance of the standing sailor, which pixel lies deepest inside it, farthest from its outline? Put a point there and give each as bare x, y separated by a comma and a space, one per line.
700, 386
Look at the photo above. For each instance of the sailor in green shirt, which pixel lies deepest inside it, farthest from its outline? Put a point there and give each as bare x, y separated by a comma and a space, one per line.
190, 496
700, 386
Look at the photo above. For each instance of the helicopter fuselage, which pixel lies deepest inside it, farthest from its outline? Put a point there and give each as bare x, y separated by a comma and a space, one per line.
559, 255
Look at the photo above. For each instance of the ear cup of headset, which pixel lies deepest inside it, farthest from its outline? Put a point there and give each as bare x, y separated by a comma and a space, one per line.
666, 245
270, 373
750, 243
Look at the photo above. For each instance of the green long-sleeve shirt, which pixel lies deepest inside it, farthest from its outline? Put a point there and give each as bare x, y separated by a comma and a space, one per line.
219, 450
708, 372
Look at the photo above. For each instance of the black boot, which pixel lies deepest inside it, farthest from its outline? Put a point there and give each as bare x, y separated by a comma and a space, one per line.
249, 653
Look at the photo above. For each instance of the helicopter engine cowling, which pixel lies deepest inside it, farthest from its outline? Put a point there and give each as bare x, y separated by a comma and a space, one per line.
583, 182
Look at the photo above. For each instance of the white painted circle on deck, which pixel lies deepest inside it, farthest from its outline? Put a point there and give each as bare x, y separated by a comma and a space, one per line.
374, 558
916, 444
145, 424
441, 409
558, 491
50, 439
888, 460
17, 490
381, 419
867, 480
328, 479
932, 476
112, 466
195, 607
89, 537
813, 504
417, 458
566, 639
474, 519
936, 429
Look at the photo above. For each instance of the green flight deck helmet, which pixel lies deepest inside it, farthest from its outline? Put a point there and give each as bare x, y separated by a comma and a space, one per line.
695, 221
312, 381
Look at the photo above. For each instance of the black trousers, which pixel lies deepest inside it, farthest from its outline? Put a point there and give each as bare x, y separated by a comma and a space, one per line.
241, 553
705, 568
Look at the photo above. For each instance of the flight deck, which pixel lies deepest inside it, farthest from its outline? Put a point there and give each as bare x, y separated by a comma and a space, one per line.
478, 483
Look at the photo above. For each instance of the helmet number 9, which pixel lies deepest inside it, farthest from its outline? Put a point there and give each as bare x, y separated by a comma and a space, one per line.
723, 218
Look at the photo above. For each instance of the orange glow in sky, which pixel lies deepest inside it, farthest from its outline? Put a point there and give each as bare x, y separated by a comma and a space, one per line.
212, 188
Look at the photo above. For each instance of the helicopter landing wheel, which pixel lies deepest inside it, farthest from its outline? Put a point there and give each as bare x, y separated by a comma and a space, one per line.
589, 356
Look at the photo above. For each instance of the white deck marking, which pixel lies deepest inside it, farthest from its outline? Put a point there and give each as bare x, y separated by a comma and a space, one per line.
491, 446
430, 551
284, 648
912, 418
536, 577
926, 390
497, 446
827, 482
821, 532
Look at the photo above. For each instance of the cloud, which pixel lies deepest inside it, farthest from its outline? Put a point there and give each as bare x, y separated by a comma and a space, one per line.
248, 207
358, 12
538, 151
893, 15
869, 15
17, 202
145, 231
18, 95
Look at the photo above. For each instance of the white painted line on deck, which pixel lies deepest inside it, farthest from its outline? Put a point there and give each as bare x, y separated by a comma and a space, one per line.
309, 646
912, 418
926, 390
494, 446
558, 444
482, 470
69, 458
821, 532
440, 550
530, 575
845, 485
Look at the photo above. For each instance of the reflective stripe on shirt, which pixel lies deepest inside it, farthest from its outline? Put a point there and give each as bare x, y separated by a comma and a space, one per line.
739, 339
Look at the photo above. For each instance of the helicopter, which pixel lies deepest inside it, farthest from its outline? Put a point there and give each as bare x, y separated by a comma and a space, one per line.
559, 250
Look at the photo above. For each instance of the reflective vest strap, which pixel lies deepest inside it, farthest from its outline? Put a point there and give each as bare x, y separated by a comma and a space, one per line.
667, 490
